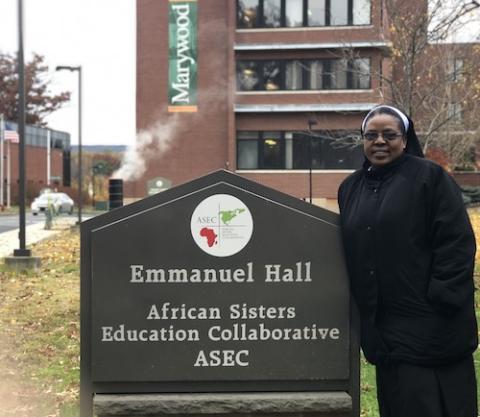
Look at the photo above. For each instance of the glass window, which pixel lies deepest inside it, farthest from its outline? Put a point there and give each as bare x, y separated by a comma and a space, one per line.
360, 74
455, 113
304, 75
288, 150
272, 13
316, 13
247, 150
458, 74
318, 154
248, 77
455, 69
272, 151
271, 75
248, 13
338, 72
332, 149
291, 13
294, 13
361, 12
327, 150
294, 75
339, 151
339, 12
316, 73
301, 151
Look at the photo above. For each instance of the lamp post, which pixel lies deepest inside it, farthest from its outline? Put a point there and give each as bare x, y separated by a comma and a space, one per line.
311, 122
22, 251
79, 69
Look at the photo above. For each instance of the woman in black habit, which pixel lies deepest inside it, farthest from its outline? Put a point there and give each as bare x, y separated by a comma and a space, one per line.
410, 253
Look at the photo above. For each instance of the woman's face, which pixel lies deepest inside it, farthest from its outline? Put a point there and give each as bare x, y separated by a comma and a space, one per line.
383, 141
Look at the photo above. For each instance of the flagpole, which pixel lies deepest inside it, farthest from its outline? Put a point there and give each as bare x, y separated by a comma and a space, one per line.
49, 141
9, 175
2, 160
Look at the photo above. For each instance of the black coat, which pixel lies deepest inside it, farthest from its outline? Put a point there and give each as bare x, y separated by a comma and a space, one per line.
410, 253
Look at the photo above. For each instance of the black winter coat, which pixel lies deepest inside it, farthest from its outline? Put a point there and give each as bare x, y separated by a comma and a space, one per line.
410, 253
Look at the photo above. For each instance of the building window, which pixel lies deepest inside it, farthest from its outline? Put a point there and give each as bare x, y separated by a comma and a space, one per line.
316, 75
271, 151
272, 13
455, 69
248, 75
338, 74
294, 13
327, 150
298, 13
359, 73
335, 74
361, 12
339, 13
296, 150
247, 150
294, 75
247, 12
272, 74
455, 112
316, 13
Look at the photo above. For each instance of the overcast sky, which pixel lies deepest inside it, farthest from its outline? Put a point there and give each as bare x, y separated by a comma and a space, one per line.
100, 36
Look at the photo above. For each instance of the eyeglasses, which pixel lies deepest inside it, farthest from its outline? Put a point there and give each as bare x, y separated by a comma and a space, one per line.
385, 135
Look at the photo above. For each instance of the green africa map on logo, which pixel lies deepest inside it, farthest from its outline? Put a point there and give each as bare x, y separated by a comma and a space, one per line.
228, 215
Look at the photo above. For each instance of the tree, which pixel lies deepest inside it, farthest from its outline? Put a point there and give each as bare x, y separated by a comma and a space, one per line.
426, 82
97, 168
39, 102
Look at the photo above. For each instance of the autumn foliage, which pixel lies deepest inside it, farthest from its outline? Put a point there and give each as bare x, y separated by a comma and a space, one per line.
39, 101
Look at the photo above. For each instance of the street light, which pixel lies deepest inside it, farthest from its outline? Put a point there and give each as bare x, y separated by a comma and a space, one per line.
22, 251
79, 69
311, 122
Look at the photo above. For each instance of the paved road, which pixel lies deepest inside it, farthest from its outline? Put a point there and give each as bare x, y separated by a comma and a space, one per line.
11, 222
34, 232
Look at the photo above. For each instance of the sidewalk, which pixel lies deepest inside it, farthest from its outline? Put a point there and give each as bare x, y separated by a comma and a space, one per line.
33, 233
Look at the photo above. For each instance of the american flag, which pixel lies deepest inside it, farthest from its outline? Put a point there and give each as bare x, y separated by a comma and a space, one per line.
11, 134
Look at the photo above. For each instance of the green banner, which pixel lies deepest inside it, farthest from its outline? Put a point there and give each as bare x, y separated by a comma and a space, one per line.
182, 56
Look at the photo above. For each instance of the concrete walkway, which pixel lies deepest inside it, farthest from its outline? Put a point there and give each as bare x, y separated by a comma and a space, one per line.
33, 233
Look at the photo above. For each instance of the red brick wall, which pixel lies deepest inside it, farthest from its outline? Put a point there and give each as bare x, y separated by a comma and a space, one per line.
199, 141
297, 183
205, 141
467, 178
35, 169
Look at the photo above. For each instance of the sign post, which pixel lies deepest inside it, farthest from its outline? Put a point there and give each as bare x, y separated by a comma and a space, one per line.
220, 285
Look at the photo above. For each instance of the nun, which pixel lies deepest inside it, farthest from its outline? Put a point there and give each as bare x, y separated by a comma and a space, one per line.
410, 249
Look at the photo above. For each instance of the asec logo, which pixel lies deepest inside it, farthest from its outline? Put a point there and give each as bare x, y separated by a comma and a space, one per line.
221, 225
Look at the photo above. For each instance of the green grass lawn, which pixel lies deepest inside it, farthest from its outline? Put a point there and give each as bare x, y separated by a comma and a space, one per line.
39, 335
368, 397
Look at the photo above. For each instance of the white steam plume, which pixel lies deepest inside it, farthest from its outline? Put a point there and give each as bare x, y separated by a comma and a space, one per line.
154, 141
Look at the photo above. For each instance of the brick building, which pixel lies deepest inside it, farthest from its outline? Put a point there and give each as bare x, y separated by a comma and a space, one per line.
36, 154
271, 89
